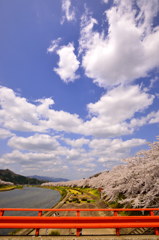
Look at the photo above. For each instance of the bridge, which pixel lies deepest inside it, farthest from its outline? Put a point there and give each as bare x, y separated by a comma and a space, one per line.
144, 218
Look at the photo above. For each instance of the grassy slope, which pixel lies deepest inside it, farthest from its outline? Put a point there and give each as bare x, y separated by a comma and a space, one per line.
78, 195
9, 176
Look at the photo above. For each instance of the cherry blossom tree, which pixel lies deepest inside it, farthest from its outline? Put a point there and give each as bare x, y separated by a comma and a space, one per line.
5, 183
135, 183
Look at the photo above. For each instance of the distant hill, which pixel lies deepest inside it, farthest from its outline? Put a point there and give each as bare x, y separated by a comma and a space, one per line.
9, 176
49, 179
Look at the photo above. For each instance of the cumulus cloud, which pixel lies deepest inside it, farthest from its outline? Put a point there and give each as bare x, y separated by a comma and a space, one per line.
38, 142
151, 118
69, 12
85, 169
4, 133
121, 103
129, 50
113, 150
40, 151
57, 169
147, 11
68, 63
110, 113
32, 158
76, 142
107, 117
105, 120
17, 113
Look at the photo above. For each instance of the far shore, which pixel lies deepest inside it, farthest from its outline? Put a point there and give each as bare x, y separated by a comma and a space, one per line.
10, 187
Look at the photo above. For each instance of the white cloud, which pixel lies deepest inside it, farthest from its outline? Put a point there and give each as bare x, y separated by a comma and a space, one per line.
4, 133
36, 143
85, 169
76, 142
54, 45
45, 150
68, 11
108, 116
87, 24
154, 117
113, 150
105, 1
148, 10
68, 63
32, 158
17, 113
121, 103
129, 51
151, 118
112, 111
46, 153
57, 169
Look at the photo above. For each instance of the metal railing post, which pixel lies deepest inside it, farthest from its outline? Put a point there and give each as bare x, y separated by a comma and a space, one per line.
155, 229
1, 212
152, 213
38, 229
117, 229
115, 213
78, 213
78, 230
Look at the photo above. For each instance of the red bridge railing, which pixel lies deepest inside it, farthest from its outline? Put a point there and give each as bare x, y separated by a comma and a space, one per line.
79, 222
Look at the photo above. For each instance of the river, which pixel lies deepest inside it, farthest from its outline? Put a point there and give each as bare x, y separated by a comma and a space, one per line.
28, 197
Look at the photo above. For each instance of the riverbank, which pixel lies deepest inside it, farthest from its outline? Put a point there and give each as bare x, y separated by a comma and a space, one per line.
75, 198
10, 187
64, 196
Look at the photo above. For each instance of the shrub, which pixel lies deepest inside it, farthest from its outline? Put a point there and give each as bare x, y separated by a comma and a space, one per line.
84, 199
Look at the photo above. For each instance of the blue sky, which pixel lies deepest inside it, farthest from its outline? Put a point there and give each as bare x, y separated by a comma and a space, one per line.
79, 84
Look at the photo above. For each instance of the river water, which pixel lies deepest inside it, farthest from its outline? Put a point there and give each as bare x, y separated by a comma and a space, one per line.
28, 197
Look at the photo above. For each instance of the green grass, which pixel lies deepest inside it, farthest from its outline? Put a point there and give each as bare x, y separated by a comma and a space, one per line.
92, 191
74, 191
54, 233
9, 187
116, 204
76, 194
14, 232
19, 187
